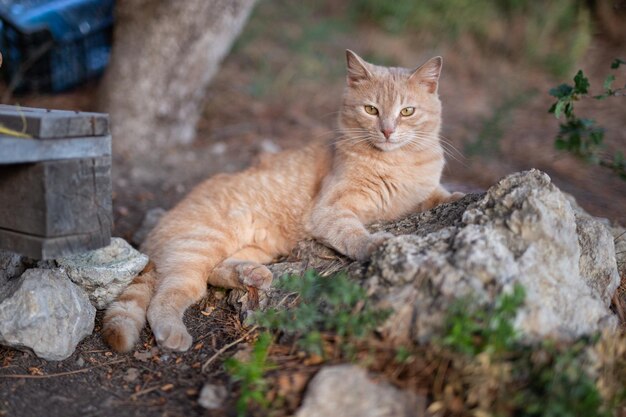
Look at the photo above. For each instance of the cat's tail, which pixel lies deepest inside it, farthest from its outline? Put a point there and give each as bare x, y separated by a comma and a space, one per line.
125, 317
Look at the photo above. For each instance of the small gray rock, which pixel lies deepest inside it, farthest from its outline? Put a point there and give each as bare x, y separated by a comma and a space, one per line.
105, 272
131, 375
347, 391
45, 312
212, 396
269, 146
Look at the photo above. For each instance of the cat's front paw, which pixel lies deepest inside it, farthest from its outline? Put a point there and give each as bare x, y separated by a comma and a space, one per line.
370, 244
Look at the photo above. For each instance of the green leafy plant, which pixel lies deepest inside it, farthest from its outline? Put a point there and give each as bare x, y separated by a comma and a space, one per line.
494, 374
250, 374
582, 137
471, 329
335, 305
556, 384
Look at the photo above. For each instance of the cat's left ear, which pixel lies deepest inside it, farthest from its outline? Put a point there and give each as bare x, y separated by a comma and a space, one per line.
428, 74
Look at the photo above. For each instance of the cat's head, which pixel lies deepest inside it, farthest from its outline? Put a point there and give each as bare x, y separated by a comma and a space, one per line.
388, 107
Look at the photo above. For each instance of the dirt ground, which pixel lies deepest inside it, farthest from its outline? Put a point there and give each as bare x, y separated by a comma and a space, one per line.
279, 88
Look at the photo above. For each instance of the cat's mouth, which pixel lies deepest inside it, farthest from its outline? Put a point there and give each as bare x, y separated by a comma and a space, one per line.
387, 146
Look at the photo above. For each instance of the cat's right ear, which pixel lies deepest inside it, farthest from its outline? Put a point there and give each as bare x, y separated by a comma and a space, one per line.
357, 68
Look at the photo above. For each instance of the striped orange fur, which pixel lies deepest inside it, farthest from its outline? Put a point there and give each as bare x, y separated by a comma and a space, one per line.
385, 163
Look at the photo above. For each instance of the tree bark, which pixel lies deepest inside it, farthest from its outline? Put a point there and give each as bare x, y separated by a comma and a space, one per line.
164, 56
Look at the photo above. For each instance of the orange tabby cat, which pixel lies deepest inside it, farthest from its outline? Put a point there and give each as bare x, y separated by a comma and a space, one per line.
386, 164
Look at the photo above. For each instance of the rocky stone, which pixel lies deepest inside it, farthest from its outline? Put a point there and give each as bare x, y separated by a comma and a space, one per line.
45, 312
150, 219
619, 238
347, 391
598, 260
522, 230
212, 396
12, 265
131, 375
105, 272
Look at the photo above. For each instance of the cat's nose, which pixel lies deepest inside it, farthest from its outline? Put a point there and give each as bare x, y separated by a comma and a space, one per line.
387, 132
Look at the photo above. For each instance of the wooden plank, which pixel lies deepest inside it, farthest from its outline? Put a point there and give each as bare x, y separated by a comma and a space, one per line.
51, 124
78, 196
22, 198
57, 198
38, 247
16, 150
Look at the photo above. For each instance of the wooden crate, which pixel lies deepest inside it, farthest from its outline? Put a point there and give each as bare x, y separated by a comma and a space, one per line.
55, 187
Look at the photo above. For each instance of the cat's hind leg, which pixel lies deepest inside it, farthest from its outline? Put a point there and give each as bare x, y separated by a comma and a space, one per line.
182, 280
243, 269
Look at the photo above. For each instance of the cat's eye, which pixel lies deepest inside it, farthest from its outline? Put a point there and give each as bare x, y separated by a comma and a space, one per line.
407, 111
371, 110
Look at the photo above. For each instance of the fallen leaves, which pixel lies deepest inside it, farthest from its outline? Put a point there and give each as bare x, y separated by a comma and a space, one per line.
33, 370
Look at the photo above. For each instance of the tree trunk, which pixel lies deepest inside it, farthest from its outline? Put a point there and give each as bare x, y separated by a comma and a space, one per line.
164, 56
610, 16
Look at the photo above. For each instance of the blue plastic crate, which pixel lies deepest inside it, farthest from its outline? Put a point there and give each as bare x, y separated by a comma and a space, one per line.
54, 45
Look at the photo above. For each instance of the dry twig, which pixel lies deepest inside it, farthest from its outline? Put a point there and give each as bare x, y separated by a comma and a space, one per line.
225, 348
77, 371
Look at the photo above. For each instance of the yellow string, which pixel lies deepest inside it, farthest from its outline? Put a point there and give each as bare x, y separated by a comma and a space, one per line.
10, 132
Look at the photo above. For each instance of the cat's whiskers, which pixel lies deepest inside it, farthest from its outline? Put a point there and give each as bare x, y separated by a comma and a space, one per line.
356, 135
432, 142
442, 139
445, 141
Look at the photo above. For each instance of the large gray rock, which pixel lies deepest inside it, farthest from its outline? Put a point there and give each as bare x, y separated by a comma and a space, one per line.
347, 391
105, 272
522, 230
45, 312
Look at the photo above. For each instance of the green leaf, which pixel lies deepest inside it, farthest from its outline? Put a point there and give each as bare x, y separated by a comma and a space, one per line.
558, 108
250, 374
560, 144
581, 83
562, 91
569, 108
608, 81
617, 62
